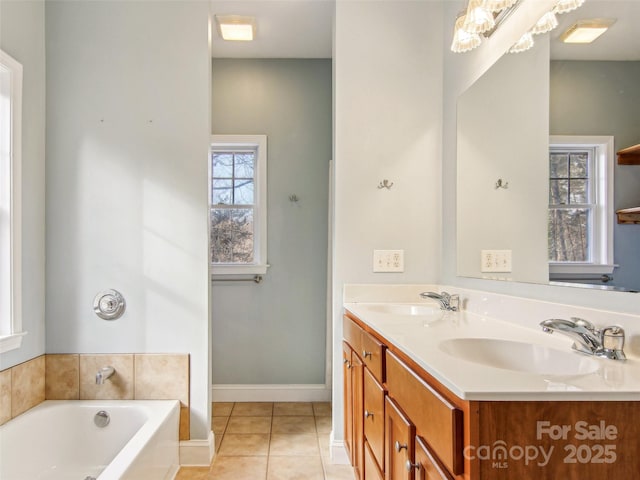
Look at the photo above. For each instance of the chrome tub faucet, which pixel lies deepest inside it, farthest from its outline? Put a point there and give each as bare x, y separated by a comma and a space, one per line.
606, 343
447, 301
103, 374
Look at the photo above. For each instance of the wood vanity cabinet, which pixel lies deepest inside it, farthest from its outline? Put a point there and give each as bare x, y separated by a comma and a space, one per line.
364, 400
431, 434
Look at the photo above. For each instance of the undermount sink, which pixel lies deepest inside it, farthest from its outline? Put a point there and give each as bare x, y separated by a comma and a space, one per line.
404, 309
519, 356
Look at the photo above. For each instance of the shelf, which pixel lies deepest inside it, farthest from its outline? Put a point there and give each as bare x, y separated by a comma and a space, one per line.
629, 156
629, 215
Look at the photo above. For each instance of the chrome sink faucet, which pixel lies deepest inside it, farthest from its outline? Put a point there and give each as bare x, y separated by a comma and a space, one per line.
607, 343
103, 374
447, 301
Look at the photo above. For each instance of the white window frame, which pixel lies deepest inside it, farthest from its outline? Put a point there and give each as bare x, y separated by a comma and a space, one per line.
602, 240
259, 142
10, 203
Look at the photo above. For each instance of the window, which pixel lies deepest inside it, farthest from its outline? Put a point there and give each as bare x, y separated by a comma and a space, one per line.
580, 205
10, 193
238, 204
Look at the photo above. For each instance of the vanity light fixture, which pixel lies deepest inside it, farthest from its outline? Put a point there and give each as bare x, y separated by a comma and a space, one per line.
479, 19
564, 6
236, 28
498, 5
586, 31
546, 23
524, 44
463, 41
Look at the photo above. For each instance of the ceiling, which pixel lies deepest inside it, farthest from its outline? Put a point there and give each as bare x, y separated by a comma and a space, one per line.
304, 29
285, 29
620, 42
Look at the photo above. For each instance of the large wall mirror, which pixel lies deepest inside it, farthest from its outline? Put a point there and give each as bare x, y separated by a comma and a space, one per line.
515, 197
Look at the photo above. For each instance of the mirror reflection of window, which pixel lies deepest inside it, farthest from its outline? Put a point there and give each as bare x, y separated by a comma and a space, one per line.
571, 205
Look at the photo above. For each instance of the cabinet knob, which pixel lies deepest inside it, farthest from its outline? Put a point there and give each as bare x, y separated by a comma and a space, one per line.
366, 354
368, 414
410, 466
347, 363
399, 446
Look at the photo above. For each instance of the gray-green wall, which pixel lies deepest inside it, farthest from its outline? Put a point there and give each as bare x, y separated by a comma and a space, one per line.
274, 332
603, 98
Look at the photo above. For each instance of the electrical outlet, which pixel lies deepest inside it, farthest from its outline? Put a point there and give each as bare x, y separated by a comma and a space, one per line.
388, 260
495, 261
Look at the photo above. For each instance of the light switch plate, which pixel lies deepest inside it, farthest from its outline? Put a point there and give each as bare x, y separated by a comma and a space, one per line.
388, 261
498, 261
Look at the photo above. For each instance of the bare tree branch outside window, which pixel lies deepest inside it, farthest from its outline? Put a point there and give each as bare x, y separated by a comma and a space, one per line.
570, 206
232, 207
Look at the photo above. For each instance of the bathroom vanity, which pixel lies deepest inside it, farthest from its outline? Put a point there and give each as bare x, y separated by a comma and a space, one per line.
459, 395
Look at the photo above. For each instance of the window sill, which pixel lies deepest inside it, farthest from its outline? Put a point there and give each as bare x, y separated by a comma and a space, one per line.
238, 270
11, 342
581, 268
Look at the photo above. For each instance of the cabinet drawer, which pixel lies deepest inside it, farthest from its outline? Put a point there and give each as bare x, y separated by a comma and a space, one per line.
374, 416
399, 435
435, 418
372, 352
427, 466
352, 334
371, 469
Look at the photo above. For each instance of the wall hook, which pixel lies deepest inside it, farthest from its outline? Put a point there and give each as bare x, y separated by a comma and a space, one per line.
501, 184
385, 184
293, 198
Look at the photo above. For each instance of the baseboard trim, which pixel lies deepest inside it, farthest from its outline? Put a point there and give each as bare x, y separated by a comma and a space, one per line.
197, 453
338, 452
271, 393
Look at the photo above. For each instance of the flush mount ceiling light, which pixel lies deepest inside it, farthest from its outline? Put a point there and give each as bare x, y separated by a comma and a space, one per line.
463, 41
586, 31
236, 27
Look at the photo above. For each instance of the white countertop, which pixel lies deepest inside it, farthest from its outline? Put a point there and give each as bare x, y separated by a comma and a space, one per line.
421, 337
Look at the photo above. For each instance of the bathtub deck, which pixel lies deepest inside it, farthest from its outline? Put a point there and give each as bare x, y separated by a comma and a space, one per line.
270, 441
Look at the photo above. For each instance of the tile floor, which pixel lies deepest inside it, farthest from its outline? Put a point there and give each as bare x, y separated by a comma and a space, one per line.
270, 441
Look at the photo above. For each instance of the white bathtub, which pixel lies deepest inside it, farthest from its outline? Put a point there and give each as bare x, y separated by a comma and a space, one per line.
58, 439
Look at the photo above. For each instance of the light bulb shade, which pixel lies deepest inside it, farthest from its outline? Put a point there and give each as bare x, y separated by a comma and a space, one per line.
564, 6
547, 23
498, 5
525, 43
478, 18
463, 41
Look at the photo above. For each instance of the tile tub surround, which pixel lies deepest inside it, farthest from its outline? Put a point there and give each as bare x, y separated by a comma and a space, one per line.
270, 441
72, 377
21, 388
498, 316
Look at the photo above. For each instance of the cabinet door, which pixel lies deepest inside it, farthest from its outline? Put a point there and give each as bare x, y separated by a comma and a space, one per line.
398, 445
358, 414
348, 400
427, 466
374, 416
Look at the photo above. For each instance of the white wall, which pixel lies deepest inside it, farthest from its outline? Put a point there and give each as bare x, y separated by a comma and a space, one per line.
387, 125
22, 35
128, 125
514, 91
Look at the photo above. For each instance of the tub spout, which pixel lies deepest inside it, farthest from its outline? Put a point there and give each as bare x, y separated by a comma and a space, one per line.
103, 374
